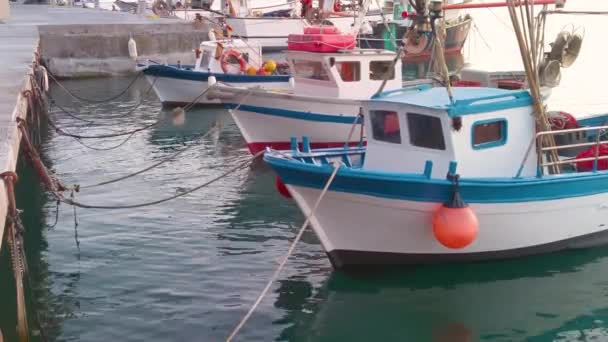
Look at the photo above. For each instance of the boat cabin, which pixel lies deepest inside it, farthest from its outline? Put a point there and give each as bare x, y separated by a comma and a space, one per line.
488, 131
353, 74
210, 52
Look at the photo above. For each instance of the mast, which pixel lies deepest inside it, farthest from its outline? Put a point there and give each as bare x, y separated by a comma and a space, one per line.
525, 28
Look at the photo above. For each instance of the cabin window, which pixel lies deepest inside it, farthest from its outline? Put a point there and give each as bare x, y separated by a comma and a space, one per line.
489, 133
349, 71
425, 131
385, 126
380, 70
310, 69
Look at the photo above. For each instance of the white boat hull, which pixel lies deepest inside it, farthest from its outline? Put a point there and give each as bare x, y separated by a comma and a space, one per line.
175, 91
357, 229
273, 120
172, 91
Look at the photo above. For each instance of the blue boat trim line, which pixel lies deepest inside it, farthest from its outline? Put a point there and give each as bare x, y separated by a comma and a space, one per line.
467, 100
308, 116
421, 188
190, 75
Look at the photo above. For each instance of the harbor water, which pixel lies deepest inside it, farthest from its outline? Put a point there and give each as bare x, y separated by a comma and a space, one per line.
189, 269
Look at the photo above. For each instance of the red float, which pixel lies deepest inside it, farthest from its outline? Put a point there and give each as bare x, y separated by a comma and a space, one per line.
455, 227
455, 224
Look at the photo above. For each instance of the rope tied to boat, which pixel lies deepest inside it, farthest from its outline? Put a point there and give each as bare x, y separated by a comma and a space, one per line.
84, 99
129, 134
90, 122
238, 167
292, 247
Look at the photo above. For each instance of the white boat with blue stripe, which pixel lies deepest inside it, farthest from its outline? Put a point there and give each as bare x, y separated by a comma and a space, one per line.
478, 160
226, 61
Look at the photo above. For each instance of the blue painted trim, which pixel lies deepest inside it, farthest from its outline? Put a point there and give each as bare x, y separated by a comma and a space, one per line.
190, 75
510, 100
417, 187
428, 169
343, 118
305, 144
294, 144
503, 133
595, 120
477, 103
452, 167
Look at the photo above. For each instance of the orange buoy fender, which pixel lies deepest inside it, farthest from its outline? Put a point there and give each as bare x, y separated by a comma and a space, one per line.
455, 224
235, 54
282, 188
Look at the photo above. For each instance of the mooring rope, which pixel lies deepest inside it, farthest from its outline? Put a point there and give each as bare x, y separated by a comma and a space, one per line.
299, 235
129, 134
14, 239
63, 132
89, 122
161, 162
238, 167
283, 262
84, 99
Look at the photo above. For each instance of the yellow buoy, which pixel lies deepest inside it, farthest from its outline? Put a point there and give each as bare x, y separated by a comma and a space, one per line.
270, 66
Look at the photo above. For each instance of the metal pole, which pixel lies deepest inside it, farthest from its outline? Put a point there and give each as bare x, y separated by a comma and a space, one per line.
498, 4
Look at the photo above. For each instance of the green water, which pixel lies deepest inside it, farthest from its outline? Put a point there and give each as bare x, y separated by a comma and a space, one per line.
187, 270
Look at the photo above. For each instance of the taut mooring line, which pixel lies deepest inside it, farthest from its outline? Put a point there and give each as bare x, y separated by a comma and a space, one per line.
292, 247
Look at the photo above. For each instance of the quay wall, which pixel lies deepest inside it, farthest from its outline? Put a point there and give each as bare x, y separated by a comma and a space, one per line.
94, 50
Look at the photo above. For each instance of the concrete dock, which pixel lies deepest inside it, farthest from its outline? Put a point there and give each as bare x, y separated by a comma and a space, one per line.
73, 42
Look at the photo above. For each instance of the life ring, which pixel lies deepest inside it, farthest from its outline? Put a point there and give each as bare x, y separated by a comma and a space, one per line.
235, 54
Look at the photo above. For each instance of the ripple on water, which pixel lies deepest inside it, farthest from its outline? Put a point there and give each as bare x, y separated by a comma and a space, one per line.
187, 270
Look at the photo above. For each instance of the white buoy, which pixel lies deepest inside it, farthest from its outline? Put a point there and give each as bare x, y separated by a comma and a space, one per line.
178, 116
292, 82
211, 80
132, 48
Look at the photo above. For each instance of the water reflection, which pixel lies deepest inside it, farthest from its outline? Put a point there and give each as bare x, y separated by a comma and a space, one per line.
537, 298
48, 302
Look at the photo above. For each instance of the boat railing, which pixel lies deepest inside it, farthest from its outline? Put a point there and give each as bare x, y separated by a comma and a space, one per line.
540, 139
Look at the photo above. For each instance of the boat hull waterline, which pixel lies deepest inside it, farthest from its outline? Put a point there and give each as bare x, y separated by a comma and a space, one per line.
264, 121
179, 86
393, 223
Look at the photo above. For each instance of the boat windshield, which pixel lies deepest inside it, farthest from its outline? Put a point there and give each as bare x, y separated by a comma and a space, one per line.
310, 69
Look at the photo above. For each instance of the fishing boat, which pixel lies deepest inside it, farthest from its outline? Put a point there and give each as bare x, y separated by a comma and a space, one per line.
458, 174
230, 61
269, 23
331, 78
400, 15
421, 151
273, 30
